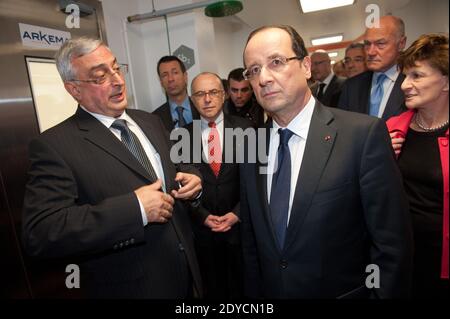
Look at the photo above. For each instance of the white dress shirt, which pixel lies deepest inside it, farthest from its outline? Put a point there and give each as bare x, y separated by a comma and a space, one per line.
388, 85
300, 127
150, 151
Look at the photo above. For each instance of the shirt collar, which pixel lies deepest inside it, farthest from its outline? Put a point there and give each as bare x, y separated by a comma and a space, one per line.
108, 120
328, 78
186, 104
300, 124
392, 73
218, 120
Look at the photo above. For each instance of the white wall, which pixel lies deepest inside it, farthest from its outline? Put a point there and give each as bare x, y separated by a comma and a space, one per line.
230, 36
423, 17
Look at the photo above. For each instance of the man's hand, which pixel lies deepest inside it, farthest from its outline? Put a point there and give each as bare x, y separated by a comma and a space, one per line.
225, 222
158, 206
191, 185
397, 142
212, 221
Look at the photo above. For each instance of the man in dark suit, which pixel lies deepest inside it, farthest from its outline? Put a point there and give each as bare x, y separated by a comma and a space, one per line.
216, 222
103, 192
377, 92
328, 204
327, 87
178, 111
242, 102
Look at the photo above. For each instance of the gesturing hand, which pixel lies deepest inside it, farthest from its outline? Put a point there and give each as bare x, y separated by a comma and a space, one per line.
191, 185
158, 206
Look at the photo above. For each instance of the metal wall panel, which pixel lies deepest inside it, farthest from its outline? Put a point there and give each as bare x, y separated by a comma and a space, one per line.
20, 276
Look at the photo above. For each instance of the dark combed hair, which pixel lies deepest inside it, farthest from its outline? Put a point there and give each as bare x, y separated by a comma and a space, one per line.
355, 45
170, 58
236, 74
298, 45
432, 48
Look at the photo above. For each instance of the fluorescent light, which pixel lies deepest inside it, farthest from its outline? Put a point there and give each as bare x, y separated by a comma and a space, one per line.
327, 39
316, 5
332, 54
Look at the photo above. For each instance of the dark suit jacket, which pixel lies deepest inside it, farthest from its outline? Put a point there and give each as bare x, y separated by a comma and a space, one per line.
251, 111
163, 111
80, 202
349, 211
355, 95
220, 195
332, 92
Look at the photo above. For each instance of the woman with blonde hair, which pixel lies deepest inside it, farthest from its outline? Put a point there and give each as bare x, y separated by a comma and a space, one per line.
420, 140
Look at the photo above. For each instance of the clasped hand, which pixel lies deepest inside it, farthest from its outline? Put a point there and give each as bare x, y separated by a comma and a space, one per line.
158, 206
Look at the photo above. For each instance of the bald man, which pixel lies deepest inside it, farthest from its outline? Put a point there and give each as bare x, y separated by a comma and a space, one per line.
216, 221
327, 87
377, 91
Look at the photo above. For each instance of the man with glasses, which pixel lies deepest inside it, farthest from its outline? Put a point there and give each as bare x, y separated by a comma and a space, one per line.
178, 111
328, 85
377, 92
355, 59
242, 102
328, 205
216, 222
102, 190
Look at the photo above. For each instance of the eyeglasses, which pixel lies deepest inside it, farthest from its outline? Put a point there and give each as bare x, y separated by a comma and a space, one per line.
275, 64
212, 93
106, 77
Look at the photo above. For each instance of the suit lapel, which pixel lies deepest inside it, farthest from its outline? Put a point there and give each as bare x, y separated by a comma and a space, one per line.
329, 92
365, 93
98, 134
321, 138
261, 183
195, 114
396, 99
159, 142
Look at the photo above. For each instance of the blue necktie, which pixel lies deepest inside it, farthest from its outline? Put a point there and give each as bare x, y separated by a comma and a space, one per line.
181, 120
377, 95
281, 187
130, 140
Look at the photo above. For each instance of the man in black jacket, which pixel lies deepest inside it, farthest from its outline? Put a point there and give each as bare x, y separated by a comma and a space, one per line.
216, 222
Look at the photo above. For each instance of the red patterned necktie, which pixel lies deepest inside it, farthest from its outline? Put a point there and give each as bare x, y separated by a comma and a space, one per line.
214, 150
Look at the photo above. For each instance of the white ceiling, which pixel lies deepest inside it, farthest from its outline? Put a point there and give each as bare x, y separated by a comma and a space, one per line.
348, 20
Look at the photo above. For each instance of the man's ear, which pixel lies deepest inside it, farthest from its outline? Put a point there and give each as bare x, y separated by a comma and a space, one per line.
73, 90
402, 43
445, 89
306, 62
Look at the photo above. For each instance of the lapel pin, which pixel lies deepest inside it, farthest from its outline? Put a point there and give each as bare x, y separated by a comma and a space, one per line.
327, 138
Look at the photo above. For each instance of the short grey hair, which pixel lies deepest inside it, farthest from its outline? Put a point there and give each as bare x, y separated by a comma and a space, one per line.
71, 49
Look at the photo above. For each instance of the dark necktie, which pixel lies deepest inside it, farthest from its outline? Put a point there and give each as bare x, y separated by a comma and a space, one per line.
181, 120
377, 95
130, 140
281, 187
320, 92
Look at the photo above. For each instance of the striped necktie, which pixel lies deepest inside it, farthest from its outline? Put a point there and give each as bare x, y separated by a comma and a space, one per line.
131, 142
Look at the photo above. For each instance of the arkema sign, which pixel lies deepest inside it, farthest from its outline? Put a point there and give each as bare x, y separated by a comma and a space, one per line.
40, 37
